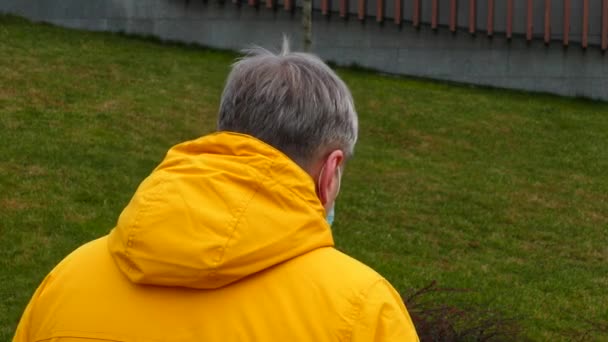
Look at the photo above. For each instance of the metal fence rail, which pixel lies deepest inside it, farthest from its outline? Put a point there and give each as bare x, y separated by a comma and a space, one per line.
581, 21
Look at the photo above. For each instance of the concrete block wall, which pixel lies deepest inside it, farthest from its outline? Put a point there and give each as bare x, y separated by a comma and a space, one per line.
397, 49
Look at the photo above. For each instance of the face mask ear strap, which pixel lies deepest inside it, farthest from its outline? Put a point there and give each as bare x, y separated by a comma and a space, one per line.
318, 185
339, 180
330, 215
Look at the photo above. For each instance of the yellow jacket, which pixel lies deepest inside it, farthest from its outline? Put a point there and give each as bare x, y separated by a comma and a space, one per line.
225, 241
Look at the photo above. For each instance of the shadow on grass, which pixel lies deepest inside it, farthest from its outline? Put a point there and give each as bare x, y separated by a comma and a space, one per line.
446, 323
589, 331
440, 322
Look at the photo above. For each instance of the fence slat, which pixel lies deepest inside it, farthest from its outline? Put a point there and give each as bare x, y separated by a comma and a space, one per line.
472, 15
416, 14
453, 14
287, 5
398, 12
379, 10
435, 14
585, 23
529, 21
324, 6
509, 19
251, 2
547, 21
490, 18
604, 25
361, 11
343, 8
566, 34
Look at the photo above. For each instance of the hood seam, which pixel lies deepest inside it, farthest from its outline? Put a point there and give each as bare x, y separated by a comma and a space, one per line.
145, 205
275, 154
239, 214
297, 193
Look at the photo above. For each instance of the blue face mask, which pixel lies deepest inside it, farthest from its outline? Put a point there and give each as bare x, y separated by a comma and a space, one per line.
330, 213
330, 216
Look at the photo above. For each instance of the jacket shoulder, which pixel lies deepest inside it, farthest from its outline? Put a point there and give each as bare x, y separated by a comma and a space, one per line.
371, 309
340, 268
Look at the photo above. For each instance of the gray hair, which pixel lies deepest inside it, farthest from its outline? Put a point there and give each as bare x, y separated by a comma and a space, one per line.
291, 101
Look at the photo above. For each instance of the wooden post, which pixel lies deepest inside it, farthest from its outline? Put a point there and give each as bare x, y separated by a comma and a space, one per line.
547, 21
434, 14
416, 14
453, 15
379, 10
361, 11
472, 16
324, 7
509, 19
604, 25
307, 24
490, 18
343, 8
566, 33
585, 23
398, 12
529, 21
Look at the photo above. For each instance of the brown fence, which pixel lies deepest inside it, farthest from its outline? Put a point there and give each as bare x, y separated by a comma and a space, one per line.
583, 22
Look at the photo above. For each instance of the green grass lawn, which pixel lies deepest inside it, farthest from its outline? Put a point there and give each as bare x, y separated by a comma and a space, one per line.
499, 192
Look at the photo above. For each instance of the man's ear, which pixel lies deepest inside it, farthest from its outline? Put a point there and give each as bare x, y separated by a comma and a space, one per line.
328, 182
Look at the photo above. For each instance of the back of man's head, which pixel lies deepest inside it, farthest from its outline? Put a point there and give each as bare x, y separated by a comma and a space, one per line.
292, 101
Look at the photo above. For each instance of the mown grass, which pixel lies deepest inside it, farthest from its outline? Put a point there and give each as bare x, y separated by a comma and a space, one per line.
499, 192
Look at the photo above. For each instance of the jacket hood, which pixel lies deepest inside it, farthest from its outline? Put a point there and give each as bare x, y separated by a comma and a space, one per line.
216, 210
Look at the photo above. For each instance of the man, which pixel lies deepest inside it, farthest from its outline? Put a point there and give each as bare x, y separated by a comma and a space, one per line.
227, 239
